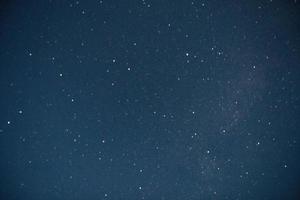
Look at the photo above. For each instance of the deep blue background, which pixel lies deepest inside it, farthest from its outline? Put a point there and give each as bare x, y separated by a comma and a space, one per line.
149, 99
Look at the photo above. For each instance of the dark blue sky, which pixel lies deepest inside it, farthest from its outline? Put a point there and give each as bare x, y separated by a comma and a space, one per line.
152, 100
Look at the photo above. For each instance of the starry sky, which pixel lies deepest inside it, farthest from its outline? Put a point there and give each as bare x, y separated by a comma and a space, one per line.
154, 100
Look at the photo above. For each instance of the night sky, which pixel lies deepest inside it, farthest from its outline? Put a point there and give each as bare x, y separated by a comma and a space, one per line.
154, 100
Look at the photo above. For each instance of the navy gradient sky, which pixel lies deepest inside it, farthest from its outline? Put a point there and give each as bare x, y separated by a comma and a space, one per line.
151, 100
